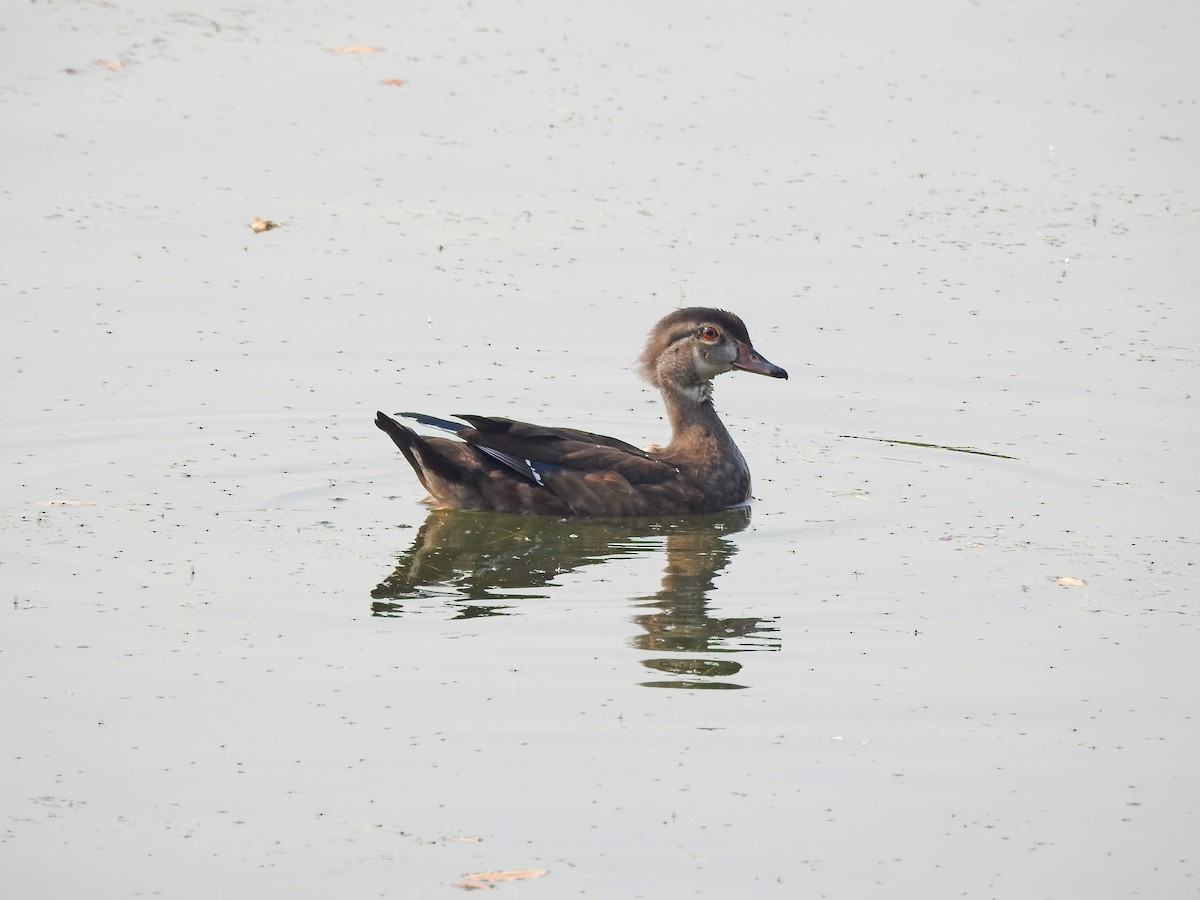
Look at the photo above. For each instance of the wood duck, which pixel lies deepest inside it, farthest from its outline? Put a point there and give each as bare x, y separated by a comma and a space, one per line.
500, 464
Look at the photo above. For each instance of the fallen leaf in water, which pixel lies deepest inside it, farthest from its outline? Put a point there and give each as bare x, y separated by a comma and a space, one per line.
394, 82
1068, 581
506, 875
355, 48
259, 224
471, 885
113, 64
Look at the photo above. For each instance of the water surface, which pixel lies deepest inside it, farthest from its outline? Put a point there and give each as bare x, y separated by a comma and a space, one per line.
242, 659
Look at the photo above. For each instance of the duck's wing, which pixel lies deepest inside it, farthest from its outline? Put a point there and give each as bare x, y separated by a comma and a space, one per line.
522, 467
551, 451
463, 476
514, 466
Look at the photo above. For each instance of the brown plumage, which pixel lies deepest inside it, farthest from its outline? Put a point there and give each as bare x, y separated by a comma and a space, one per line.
511, 466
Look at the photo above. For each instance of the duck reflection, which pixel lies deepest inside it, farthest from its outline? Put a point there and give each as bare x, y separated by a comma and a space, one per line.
479, 563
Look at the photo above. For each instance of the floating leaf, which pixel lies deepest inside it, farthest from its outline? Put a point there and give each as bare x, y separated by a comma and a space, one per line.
259, 224
394, 82
1068, 581
114, 64
506, 875
355, 48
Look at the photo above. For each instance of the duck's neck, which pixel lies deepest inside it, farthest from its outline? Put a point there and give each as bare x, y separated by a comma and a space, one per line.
701, 448
695, 425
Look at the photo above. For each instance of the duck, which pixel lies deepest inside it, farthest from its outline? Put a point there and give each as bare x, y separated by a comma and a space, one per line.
503, 465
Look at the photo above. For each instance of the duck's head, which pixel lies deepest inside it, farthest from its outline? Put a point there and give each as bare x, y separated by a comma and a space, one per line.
692, 346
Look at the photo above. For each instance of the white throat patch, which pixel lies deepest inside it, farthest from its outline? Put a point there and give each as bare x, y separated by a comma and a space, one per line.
698, 393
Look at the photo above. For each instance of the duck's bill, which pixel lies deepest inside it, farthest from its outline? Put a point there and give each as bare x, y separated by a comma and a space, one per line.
748, 360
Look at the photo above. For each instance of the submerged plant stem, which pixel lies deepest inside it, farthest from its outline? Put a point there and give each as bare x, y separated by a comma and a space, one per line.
860, 437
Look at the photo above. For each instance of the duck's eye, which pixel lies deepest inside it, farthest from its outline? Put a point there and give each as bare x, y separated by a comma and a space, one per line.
709, 333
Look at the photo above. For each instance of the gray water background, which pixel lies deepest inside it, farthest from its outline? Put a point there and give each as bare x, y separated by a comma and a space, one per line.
968, 225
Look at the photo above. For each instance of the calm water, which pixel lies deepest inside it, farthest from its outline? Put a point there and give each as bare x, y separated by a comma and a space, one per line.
241, 659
